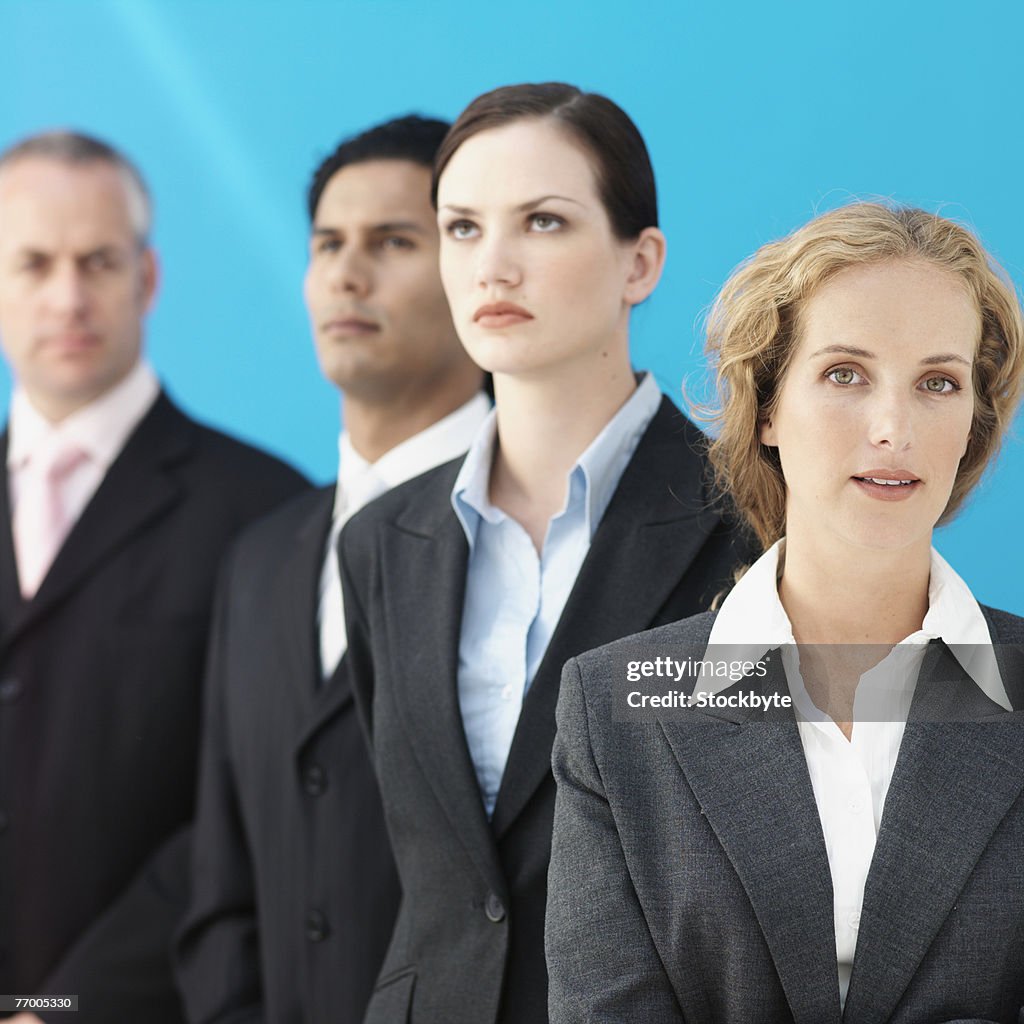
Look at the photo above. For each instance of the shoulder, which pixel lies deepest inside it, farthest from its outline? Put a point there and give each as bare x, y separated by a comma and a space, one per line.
600, 668
239, 472
1005, 627
301, 520
418, 505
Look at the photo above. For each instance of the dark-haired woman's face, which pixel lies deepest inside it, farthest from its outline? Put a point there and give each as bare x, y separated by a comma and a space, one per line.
534, 275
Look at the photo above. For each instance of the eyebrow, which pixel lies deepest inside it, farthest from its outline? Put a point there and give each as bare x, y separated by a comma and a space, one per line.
377, 229
532, 204
861, 353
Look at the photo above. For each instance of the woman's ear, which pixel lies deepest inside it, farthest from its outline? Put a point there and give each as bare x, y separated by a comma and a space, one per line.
766, 434
647, 260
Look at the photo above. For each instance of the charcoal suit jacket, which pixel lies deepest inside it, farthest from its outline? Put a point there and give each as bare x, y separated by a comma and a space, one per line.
100, 678
468, 943
689, 875
294, 890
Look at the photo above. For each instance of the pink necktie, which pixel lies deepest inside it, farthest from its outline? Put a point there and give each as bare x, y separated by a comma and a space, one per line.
41, 521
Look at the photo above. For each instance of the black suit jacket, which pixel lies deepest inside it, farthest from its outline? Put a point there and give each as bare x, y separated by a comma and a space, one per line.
690, 878
294, 889
99, 711
469, 941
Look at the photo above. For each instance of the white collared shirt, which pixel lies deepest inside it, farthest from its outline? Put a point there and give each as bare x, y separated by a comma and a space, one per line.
360, 481
851, 778
99, 429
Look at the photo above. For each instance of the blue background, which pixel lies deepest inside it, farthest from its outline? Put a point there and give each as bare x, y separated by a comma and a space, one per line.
757, 116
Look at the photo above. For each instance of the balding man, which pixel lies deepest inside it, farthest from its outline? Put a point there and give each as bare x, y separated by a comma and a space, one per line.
115, 510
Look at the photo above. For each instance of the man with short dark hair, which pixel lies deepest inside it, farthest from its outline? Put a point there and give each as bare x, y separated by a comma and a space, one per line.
294, 889
114, 511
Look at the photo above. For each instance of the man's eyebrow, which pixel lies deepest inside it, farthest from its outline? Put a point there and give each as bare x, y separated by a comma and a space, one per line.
861, 353
398, 225
383, 228
532, 204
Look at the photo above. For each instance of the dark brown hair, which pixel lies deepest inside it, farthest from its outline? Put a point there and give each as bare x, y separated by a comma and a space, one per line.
625, 178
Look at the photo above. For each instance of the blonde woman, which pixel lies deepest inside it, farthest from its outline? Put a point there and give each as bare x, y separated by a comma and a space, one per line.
776, 863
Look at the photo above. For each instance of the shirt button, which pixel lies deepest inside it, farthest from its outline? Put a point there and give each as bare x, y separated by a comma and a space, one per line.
314, 779
316, 926
493, 909
506, 692
10, 691
854, 921
856, 807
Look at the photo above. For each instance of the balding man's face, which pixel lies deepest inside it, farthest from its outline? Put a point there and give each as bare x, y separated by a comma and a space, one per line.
75, 282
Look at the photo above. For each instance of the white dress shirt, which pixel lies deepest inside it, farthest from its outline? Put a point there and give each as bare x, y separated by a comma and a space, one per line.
851, 778
99, 430
359, 482
515, 597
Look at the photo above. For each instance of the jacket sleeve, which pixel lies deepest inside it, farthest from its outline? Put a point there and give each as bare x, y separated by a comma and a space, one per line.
602, 962
217, 950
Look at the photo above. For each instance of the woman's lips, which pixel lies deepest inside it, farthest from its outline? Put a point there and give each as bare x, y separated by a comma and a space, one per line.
888, 485
501, 314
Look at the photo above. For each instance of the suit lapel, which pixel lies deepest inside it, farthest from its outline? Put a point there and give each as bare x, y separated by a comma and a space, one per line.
10, 594
300, 592
136, 489
423, 620
649, 536
960, 750
747, 770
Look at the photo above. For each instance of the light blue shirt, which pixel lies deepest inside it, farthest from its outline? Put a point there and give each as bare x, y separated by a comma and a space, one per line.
514, 598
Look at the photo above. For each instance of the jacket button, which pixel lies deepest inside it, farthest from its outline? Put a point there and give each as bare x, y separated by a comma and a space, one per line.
10, 691
316, 926
314, 779
493, 909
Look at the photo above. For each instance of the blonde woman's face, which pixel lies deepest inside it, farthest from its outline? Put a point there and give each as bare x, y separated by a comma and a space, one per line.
875, 410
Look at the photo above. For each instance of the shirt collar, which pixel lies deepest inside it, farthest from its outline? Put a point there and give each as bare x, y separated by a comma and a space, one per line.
439, 443
752, 618
592, 479
100, 429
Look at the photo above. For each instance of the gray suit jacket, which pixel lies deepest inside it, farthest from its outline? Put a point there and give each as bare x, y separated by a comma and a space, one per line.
689, 879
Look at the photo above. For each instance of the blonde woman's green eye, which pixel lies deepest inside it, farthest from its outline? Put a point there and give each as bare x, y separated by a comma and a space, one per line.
842, 375
940, 385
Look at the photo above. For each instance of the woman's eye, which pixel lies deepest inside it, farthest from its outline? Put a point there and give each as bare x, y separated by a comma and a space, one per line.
844, 375
546, 222
940, 385
462, 229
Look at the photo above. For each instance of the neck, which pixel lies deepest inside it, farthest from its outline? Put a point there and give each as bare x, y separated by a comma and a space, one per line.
377, 425
544, 425
838, 594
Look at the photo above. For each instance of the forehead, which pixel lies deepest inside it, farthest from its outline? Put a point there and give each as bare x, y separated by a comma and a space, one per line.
50, 205
376, 192
516, 163
901, 306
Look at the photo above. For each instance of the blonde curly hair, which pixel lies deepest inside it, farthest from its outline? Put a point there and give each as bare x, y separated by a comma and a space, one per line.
754, 325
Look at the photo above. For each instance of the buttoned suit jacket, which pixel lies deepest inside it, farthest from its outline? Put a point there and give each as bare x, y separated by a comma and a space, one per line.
468, 943
294, 890
689, 875
99, 715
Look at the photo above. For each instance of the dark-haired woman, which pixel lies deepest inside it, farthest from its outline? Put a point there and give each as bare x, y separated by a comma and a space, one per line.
578, 515
859, 854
